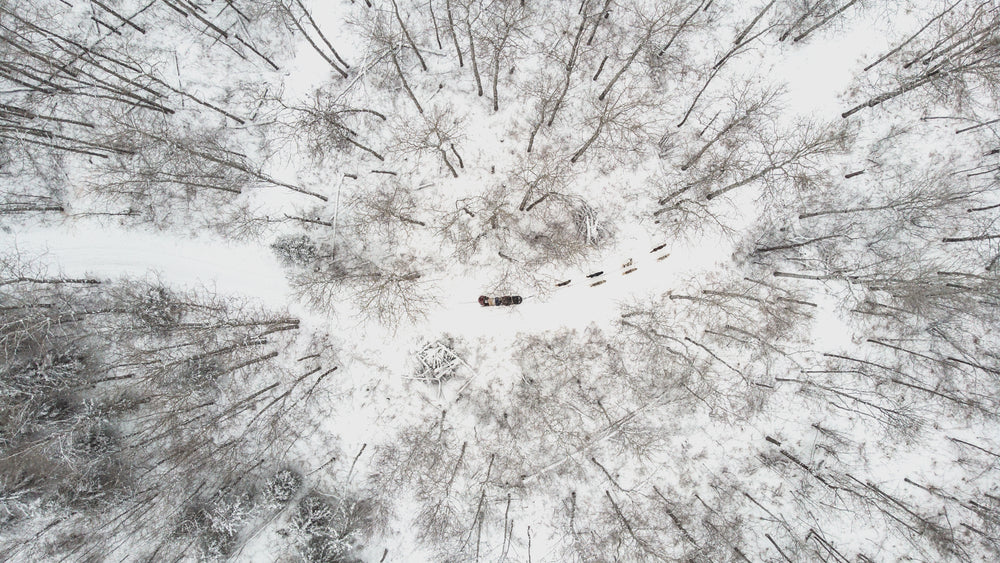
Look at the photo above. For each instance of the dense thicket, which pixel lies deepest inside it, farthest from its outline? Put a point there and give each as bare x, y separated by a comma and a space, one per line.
144, 422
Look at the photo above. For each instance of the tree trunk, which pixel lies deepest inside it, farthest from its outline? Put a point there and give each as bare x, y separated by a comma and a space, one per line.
406, 85
406, 34
454, 34
319, 32
803, 35
437, 33
621, 71
472, 56
802, 18
698, 96
576, 156
742, 34
496, 78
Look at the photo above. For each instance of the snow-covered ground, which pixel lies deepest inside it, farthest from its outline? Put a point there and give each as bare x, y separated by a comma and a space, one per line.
104, 251
706, 446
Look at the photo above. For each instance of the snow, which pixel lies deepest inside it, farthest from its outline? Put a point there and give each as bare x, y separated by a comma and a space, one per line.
373, 397
107, 251
818, 72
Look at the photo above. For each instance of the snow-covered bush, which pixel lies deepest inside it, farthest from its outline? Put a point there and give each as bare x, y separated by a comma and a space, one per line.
280, 488
437, 361
299, 251
216, 526
327, 529
157, 306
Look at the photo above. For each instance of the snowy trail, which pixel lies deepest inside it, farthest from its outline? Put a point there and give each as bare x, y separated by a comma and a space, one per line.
106, 251
253, 272
377, 354
580, 305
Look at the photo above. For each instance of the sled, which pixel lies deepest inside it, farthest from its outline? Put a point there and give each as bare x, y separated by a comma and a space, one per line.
505, 301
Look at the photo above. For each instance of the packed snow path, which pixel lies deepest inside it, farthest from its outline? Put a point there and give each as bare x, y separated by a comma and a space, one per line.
106, 251
253, 272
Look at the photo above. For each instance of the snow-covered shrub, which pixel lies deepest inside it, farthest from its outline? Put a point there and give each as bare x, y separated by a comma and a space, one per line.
437, 361
563, 228
327, 529
99, 439
199, 372
58, 449
38, 393
99, 399
280, 488
216, 527
296, 250
589, 226
157, 306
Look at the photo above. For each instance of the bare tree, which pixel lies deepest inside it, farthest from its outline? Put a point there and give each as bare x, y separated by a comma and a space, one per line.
391, 291
617, 122
471, 19
437, 133
506, 28
329, 124
649, 27
388, 213
789, 156
751, 107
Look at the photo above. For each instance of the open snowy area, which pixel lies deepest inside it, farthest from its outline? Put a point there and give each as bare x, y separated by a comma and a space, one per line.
500, 280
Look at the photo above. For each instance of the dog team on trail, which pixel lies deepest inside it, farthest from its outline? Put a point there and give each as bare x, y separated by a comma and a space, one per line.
508, 300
